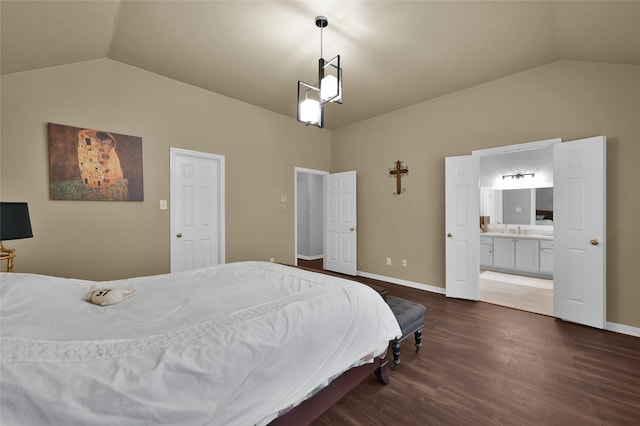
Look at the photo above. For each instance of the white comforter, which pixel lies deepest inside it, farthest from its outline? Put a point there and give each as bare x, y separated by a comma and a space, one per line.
231, 344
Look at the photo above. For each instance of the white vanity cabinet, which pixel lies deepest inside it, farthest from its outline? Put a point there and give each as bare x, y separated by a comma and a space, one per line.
504, 253
546, 257
527, 255
486, 252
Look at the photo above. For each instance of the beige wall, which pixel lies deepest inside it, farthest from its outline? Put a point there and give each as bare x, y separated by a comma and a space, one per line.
108, 240
565, 99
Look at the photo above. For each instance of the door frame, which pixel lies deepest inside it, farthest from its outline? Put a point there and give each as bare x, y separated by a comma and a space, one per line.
544, 144
473, 293
220, 194
297, 170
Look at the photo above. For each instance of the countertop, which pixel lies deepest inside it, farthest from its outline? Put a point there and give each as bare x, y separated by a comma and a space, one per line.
525, 236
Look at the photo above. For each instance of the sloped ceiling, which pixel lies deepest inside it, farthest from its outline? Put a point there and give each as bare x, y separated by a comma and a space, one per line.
394, 53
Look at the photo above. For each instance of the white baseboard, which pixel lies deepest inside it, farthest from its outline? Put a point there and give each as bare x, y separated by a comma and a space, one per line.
310, 257
621, 328
406, 283
610, 326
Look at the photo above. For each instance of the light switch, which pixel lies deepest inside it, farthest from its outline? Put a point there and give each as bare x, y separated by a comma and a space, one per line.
283, 198
163, 204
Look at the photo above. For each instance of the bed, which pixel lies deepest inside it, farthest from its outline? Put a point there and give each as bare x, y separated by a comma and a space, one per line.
241, 344
544, 217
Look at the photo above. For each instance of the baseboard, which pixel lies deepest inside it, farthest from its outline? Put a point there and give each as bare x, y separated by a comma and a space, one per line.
609, 326
310, 257
621, 328
405, 283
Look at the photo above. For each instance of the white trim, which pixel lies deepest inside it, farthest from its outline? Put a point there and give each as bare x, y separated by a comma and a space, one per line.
405, 283
519, 147
621, 328
310, 257
295, 208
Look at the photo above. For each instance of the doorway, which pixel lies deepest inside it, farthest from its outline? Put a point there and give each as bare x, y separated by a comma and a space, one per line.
579, 246
516, 239
309, 210
338, 212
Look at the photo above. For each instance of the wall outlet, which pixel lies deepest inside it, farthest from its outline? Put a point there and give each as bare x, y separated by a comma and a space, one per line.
404, 262
388, 261
272, 259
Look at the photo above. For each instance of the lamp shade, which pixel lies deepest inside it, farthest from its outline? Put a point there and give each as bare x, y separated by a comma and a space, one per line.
329, 88
14, 221
310, 111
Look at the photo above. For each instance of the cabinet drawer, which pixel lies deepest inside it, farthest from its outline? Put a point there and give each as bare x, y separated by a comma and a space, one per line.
546, 244
486, 240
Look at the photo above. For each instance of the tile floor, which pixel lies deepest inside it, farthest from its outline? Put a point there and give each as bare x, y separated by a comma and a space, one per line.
516, 291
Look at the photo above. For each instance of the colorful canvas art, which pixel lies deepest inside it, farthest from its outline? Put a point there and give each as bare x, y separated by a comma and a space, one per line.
94, 165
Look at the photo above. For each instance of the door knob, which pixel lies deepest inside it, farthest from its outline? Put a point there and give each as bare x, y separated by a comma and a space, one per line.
179, 235
449, 235
595, 242
352, 229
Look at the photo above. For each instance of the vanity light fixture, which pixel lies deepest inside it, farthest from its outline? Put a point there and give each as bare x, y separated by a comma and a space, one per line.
312, 98
518, 175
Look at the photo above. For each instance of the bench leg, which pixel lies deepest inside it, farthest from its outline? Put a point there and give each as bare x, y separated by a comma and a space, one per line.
418, 336
395, 347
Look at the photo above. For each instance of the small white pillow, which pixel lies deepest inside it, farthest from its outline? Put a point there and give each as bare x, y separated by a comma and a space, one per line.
108, 296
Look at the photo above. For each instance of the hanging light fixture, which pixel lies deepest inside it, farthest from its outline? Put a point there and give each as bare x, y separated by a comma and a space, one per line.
312, 98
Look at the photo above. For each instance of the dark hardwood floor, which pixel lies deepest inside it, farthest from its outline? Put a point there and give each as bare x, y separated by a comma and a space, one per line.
483, 364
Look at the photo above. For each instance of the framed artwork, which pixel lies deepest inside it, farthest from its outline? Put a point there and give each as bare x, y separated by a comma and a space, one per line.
94, 165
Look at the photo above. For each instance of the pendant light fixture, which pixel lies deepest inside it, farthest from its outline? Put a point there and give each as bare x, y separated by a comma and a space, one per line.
312, 98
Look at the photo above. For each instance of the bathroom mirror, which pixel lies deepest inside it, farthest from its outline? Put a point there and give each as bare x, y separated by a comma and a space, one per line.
523, 206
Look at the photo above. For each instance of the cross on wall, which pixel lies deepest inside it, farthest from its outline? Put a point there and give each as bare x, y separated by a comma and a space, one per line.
399, 171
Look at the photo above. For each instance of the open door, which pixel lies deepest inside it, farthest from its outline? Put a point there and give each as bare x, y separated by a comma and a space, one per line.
462, 225
340, 235
579, 274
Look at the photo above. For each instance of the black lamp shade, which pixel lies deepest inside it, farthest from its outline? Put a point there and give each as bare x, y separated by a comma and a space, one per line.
14, 221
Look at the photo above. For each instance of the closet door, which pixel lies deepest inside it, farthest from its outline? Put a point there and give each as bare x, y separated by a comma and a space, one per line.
579, 274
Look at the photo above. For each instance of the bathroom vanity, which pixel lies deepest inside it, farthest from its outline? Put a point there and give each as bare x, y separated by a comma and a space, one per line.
521, 254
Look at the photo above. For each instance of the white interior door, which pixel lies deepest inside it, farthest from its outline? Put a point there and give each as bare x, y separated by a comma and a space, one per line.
340, 234
579, 275
197, 210
462, 224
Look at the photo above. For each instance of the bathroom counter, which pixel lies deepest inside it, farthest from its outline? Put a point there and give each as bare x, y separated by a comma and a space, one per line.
525, 236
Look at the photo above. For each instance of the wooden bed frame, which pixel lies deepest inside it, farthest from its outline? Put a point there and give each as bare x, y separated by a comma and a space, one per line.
310, 409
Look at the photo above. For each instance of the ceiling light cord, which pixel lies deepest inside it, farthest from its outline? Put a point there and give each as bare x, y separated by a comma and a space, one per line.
321, 40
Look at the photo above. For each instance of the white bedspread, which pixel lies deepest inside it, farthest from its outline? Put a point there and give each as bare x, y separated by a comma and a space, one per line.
227, 345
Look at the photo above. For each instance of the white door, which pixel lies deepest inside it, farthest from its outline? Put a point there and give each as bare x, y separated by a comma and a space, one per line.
462, 224
197, 210
340, 235
579, 231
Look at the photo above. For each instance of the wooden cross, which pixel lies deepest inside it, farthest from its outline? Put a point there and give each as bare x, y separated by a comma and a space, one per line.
399, 171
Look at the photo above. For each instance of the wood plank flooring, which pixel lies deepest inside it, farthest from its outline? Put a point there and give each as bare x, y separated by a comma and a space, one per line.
483, 364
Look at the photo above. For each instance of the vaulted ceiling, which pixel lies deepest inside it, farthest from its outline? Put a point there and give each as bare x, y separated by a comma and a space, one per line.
394, 53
